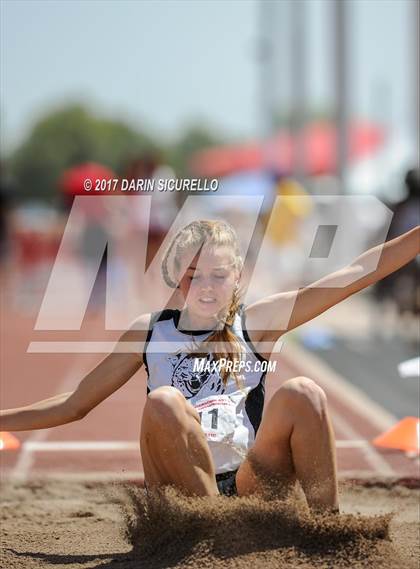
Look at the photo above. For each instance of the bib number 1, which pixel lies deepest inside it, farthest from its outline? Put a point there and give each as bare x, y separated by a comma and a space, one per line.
214, 416
217, 417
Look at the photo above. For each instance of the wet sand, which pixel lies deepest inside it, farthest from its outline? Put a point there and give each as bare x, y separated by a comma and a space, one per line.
71, 525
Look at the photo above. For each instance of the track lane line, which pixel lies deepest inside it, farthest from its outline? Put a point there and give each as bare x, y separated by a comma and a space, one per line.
87, 446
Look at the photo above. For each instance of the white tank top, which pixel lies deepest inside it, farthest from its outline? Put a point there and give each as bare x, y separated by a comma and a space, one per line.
230, 416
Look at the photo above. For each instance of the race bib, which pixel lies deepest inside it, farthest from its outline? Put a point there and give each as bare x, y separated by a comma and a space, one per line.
217, 417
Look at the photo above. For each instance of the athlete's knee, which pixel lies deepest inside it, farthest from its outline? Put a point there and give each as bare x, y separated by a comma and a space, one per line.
304, 393
166, 405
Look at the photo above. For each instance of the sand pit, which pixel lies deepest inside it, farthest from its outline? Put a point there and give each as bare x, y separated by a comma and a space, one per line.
57, 523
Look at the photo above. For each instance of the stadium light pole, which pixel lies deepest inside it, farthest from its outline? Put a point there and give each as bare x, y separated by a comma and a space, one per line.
341, 52
414, 75
299, 74
267, 18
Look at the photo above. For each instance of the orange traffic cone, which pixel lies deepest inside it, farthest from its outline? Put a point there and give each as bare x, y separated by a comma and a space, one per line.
404, 435
8, 441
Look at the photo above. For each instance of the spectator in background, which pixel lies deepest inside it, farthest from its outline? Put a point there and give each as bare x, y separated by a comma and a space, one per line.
285, 232
146, 226
5, 212
164, 207
94, 231
140, 168
402, 288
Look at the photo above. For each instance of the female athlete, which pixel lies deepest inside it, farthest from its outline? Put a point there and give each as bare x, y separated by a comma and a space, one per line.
203, 429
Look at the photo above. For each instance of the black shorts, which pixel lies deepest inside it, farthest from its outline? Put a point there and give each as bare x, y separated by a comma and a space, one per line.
226, 483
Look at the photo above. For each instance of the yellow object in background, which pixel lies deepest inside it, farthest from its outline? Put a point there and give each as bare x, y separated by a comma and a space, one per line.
294, 205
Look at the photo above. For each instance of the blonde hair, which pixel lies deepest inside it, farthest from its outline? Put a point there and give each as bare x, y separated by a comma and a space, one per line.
196, 235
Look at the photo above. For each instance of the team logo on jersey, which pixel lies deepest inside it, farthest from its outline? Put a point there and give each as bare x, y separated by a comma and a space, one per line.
189, 381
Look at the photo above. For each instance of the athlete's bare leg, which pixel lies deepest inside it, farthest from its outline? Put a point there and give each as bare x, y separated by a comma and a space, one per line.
173, 445
295, 441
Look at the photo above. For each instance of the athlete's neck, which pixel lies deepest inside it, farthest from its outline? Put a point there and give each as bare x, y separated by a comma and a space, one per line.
188, 321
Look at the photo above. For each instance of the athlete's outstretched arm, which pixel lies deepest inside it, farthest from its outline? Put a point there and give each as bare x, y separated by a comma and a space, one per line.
311, 301
108, 376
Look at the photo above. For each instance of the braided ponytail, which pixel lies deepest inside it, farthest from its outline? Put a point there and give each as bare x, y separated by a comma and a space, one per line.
220, 339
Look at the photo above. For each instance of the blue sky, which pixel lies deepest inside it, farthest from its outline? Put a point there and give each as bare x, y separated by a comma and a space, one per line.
165, 64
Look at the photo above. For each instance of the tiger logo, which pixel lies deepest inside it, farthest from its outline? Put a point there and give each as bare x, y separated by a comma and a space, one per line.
189, 381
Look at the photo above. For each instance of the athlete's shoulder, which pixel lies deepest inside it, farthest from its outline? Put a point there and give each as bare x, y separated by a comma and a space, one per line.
249, 325
147, 321
251, 321
133, 339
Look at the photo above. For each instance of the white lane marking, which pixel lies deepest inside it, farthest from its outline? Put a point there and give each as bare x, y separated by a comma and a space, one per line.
376, 461
410, 368
353, 443
77, 446
26, 459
